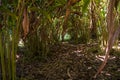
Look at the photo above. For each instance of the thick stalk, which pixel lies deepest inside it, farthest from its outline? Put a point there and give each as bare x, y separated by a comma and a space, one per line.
2, 58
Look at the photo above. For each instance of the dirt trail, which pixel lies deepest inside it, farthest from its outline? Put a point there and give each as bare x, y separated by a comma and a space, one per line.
71, 62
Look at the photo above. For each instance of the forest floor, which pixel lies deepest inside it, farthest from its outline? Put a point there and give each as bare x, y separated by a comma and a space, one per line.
70, 62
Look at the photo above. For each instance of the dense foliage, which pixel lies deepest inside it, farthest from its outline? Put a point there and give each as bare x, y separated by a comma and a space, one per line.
42, 23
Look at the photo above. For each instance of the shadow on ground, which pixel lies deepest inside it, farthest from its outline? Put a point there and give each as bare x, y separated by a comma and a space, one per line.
70, 62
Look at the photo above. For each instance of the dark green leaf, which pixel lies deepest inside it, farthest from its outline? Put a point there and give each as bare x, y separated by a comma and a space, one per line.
6, 11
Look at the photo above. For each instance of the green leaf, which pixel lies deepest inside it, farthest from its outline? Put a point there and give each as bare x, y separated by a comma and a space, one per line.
44, 12
6, 11
61, 2
85, 5
47, 15
33, 9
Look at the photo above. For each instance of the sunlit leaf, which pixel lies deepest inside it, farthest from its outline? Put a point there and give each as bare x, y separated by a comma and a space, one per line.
85, 5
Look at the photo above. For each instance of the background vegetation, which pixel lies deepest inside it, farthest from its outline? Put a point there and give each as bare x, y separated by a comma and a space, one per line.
40, 24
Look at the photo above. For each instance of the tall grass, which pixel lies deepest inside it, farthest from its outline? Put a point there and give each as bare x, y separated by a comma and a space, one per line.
9, 37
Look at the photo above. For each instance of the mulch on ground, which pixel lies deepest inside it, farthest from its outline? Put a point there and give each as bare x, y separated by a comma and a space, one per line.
70, 62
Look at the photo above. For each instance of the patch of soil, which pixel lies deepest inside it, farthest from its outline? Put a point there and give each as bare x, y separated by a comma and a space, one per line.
69, 62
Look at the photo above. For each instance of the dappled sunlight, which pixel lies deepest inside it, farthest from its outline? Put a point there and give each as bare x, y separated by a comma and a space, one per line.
17, 57
78, 52
113, 57
118, 70
116, 47
89, 67
71, 60
108, 74
102, 57
21, 46
21, 43
59, 40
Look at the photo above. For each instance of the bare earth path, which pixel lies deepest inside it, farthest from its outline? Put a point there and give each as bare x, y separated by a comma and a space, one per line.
70, 62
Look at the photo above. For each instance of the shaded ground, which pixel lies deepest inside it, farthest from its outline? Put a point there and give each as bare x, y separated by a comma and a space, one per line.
69, 62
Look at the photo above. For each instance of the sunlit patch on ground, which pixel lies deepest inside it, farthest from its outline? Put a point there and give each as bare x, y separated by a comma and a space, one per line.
116, 47
78, 52
102, 57
107, 74
118, 70
17, 57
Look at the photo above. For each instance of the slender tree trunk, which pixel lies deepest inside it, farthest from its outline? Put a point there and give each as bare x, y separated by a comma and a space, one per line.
112, 34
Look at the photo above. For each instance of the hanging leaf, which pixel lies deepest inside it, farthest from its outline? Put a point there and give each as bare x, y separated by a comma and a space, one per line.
25, 23
85, 5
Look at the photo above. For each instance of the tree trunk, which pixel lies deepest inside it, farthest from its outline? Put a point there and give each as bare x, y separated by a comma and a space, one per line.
112, 34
